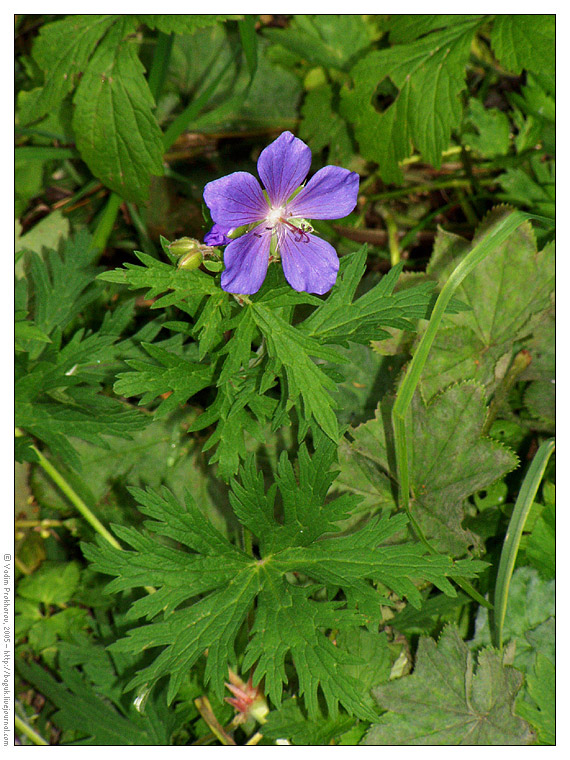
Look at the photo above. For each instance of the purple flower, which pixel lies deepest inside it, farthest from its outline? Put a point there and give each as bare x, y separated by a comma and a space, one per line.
280, 223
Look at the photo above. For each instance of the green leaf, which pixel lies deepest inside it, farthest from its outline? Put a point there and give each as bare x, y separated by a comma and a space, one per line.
206, 587
407, 28
57, 384
448, 462
447, 702
530, 607
291, 722
83, 710
540, 545
289, 347
116, 131
62, 284
62, 50
341, 319
525, 42
374, 661
501, 305
49, 232
429, 75
491, 134
540, 710
160, 277
53, 583
328, 40
181, 23
322, 127
170, 374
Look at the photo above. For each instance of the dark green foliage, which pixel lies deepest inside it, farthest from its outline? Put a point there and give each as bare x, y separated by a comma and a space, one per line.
241, 449
288, 617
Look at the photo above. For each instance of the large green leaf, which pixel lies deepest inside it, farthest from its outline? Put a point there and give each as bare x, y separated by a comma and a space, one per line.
62, 51
429, 75
525, 42
449, 461
447, 702
529, 619
206, 586
504, 292
116, 131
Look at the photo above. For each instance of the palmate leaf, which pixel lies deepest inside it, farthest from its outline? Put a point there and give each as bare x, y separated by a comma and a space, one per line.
298, 360
322, 126
159, 277
448, 462
173, 375
446, 702
116, 131
506, 292
429, 75
342, 319
62, 282
529, 620
205, 591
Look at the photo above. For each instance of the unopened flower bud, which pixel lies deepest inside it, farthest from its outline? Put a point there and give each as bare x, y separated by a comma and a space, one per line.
183, 246
191, 260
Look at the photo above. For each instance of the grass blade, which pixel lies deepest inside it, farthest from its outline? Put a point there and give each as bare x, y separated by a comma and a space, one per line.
513, 537
492, 240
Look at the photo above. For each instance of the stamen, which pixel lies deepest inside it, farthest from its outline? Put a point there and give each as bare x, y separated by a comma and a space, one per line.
302, 231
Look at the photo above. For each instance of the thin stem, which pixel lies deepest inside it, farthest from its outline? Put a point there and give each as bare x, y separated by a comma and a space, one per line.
44, 153
494, 238
428, 187
446, 154
106, 222
205, 709
392, 238
184, 119
511, 544
23, 728
74, 498
146, 242
520, 363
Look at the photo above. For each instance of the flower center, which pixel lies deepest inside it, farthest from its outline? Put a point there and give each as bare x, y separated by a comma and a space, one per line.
275, 215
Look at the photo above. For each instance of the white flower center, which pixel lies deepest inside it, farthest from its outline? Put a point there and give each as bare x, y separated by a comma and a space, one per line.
275, 215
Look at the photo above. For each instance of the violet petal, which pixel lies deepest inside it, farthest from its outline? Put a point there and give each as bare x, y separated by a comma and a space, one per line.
310, 263
330, 194
283, 166
246, 260
235, 200
217, 235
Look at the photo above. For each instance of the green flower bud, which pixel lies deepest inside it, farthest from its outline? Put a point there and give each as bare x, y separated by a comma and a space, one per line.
191, 260
184, 245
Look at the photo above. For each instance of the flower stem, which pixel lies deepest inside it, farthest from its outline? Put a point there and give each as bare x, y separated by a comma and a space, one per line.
205, 709
23, 728
520, 363
73, 497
